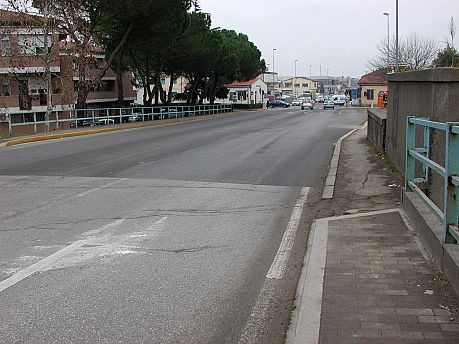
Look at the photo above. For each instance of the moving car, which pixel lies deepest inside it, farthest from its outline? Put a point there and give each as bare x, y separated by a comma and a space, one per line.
307, 105
340, 99
329, 104
278, 103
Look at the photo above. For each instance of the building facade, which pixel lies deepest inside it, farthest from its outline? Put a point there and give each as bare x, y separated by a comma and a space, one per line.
24, 66
298, 85
372, 85
247, 92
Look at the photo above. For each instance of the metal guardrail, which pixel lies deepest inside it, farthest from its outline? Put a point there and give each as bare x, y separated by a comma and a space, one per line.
449, 172
75, 118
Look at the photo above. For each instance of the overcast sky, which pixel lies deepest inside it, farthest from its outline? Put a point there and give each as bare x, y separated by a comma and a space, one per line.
339, 35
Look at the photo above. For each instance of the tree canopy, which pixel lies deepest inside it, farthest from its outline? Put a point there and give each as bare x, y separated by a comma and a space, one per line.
154, 39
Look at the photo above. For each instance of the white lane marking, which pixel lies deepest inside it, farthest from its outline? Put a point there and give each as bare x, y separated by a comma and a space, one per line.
104, 228
42, 265
283, 253
158, 225
87, 192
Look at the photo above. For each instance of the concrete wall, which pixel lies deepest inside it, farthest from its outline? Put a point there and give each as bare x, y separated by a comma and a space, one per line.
376, 131
433, 94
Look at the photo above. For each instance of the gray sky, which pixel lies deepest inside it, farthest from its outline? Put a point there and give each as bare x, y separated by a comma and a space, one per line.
339, 35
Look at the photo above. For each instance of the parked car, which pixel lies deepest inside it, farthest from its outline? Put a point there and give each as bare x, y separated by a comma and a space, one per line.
307, 105
296, 102
329, 104
320, 98
278, 103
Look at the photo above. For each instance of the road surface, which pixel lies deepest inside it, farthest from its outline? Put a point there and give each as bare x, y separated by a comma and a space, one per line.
187, 233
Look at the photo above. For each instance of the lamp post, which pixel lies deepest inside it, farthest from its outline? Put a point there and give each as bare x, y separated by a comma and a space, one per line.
294, 79
310, 71
388, 41
274, 73
396, 36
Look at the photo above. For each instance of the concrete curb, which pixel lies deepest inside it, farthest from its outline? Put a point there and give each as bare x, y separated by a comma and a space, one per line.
431, 231
45, 137
329, 188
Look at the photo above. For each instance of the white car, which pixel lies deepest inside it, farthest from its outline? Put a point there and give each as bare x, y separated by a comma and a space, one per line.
307, 105
340, 99
296, 102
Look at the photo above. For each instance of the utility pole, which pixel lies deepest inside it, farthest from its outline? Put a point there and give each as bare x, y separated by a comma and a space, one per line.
294, 79
396, 37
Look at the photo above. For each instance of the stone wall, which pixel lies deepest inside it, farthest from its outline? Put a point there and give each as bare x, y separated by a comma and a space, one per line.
376, 131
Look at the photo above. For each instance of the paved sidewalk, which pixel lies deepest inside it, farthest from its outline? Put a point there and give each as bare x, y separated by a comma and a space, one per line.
367, 276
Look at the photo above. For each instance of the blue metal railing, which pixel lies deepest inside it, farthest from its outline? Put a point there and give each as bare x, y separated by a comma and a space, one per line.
75, 118
449, 172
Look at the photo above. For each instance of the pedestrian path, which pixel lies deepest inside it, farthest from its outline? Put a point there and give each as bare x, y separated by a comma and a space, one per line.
367, 277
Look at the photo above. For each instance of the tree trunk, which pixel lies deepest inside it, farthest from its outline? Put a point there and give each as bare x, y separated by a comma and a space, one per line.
171, 87
106, 64
213, 88
119, 84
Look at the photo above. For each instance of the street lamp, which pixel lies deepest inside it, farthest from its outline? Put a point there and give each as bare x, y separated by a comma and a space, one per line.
310, 71
396, 36
388, 42
294, 79
274, 73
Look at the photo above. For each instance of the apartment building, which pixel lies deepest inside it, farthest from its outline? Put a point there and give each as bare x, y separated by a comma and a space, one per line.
23, 77
298, 85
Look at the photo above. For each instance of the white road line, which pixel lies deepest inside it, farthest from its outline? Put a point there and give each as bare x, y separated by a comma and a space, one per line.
87, 192
47, 261
283, 253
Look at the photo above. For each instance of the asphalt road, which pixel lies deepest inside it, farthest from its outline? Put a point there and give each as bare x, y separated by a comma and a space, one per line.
164, 234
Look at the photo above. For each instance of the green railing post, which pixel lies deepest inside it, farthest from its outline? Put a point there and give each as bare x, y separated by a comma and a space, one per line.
451, 197
410, 145
427, 153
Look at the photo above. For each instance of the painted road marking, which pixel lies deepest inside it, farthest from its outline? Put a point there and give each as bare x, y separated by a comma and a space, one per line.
87, 192
43, 264
283, 253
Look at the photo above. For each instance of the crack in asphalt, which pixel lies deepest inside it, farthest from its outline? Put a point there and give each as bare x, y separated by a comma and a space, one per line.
186, 249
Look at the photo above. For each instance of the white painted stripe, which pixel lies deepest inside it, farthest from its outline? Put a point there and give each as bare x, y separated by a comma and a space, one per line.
47, 261
87, 192
283, 253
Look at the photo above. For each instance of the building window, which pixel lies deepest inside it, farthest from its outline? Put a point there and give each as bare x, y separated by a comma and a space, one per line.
5, 88
297, 85
288, 84
175, 81
6, 47
306, 85
370, 94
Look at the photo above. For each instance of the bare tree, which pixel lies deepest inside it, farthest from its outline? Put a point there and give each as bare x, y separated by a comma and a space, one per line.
452, 30
415, 52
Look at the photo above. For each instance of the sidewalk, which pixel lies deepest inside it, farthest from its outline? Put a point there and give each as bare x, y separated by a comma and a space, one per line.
367, 277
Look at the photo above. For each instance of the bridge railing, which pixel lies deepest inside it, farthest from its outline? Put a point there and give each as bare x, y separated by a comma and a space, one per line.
30, 122
449, 215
